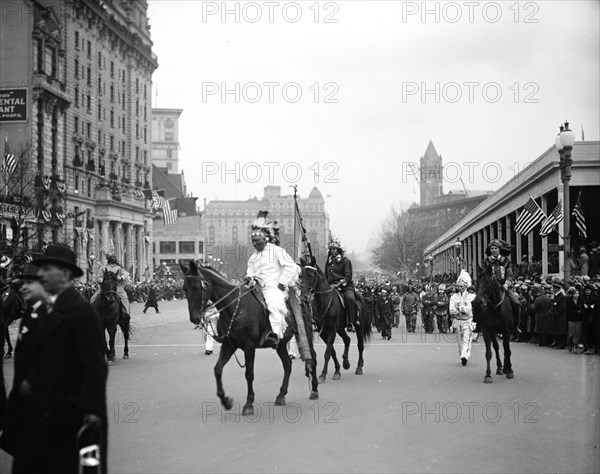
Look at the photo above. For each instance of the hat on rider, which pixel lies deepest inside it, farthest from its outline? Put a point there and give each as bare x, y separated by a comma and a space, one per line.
502, 246
263, 227
334, 243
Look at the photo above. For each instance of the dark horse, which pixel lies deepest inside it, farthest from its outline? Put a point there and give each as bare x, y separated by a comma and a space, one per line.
493, 315
14, 307
330, 318
242, 321
108, 307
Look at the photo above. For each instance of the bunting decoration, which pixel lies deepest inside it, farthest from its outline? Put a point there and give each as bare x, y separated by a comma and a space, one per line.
169, 216
46, 182
47, 216
530, 216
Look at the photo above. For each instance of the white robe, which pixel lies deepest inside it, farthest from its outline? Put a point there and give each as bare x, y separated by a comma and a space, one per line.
462, 314
272, 266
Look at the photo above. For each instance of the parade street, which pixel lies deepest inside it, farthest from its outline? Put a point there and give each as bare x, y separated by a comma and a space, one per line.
415, 409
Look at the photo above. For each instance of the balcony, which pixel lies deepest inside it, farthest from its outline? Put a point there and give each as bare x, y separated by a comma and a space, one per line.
91, 166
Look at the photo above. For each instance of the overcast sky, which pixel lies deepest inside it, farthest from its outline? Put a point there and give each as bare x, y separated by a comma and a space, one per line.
488, 82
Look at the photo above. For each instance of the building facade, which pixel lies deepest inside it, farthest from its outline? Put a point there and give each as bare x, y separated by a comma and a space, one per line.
496, 216
227, 226
84, 146
165, 139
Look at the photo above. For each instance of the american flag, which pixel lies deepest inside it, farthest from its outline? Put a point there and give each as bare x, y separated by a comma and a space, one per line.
169, 216
550, 222
10, 163
531, 216
580, 218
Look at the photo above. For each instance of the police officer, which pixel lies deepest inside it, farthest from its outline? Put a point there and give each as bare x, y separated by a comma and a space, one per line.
112, 265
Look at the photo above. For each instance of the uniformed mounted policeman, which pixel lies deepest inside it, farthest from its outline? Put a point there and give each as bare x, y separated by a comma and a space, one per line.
123, 278
338, 271
497, 258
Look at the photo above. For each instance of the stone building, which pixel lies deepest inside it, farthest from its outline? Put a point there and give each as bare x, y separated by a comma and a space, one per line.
86, 67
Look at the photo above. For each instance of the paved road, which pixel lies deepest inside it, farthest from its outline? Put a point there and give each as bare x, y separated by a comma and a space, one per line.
416, 409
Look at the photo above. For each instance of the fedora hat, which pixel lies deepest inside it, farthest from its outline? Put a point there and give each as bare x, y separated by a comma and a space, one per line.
30, 273
61, 256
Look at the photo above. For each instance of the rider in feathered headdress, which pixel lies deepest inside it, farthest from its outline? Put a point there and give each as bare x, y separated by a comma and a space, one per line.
274, 267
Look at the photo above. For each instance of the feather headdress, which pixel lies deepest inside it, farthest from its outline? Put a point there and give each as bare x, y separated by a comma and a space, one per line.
262, 226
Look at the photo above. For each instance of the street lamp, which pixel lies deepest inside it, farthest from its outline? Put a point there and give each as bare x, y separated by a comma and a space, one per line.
91, 259
564, 142
457, 247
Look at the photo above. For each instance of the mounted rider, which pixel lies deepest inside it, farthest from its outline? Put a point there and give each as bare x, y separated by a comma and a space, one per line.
338, 271
497, 259
123, 278
273, 268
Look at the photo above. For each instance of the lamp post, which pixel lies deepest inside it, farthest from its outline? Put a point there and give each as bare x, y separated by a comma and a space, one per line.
564, 144
457, 247
90, 276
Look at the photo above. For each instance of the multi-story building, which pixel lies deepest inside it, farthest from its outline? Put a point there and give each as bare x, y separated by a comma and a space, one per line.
227, 226
165, 139
86, 68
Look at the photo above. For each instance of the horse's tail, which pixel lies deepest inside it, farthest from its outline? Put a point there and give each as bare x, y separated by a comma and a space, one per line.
124, 323
364, 319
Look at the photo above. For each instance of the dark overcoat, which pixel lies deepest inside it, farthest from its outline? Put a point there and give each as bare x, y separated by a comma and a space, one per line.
62, 357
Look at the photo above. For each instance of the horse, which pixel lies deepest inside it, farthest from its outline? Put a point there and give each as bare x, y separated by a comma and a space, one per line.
493, 315
108, 307
243, 320
330, 318
14, 307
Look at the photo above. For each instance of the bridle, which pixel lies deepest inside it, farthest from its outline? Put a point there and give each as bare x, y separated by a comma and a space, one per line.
487, 299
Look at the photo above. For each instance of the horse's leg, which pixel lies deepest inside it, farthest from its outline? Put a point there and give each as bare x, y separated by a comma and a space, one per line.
328, 340
287, 370
112, 331
488, 357
9, 347
344, 335
311, 369
497, 350
225, 354
361, 346
507, 364
249, 355
125, 325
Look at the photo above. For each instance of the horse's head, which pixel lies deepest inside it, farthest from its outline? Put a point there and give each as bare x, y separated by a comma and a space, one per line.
489, 288
197, 291
309, 278
108, 287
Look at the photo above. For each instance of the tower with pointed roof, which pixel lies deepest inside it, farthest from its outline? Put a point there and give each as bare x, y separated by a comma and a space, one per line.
431, 175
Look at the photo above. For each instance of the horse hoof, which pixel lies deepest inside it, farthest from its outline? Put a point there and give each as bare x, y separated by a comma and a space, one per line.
321, 379
487, 379
346, 364
227, 403
125, 356
358, 371
110, 362
8, 356
510, 375
280, 401
248, 411
499, 372
336, 376
314, 395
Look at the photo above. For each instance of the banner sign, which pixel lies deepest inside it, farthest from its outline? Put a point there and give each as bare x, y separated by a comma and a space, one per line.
13, 105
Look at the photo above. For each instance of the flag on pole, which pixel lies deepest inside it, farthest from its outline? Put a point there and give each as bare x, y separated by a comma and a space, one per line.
10, 163
552, 220
530, 216
580, 218
169, 216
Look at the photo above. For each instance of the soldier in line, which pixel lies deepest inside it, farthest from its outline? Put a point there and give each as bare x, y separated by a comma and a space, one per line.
410, 307
427, 312
440, 308
385, 312
396, 299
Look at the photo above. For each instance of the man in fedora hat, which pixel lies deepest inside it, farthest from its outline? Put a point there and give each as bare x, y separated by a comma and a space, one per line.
64, 386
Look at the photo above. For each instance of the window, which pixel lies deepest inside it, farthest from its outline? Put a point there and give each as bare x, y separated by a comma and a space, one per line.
168, 136
168, 247
99, 60
76, 188
76, 125
89, 49
200, 248
89, 76
89, 188
89, 130
77, 40
112, 69
76, 68
187, 247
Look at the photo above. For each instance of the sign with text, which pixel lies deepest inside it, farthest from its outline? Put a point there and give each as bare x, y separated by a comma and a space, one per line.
13, 105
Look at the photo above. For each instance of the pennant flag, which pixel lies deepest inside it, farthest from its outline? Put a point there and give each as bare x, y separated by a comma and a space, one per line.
552, 220
580, 218
169, 216
10, 163
530, 216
